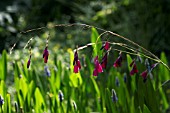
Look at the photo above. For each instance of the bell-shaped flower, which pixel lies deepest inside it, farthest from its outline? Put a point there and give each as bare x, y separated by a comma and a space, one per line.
148, 71
104, 61
118, 61
144, 75
98, 68
28, 63
76, 63
134, 68
114, 96
45, 55
105, 46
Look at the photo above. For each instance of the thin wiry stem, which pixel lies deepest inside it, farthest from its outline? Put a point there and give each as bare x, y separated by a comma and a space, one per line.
114, 43
104, 32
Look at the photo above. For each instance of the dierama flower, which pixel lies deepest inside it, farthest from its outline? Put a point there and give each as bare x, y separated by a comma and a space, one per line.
16, 107
114, 96
144, 75
146, 72
98, 68
1, 101
147, 64
105, 46
134, 68
118, 61
104, 61
28, 63
76, 63
61, 96
117, 83
47, 71
74, 105
45, 55
125, 77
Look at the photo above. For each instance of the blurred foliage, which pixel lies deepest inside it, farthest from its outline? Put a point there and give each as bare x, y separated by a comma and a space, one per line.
145, 22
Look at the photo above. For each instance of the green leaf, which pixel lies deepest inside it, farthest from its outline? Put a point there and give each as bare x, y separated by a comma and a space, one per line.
163, 71
3, 66
39, 101
145, 109
96, 39
150, 96
131, 79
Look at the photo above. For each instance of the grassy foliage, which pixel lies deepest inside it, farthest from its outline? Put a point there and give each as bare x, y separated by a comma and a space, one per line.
64, 91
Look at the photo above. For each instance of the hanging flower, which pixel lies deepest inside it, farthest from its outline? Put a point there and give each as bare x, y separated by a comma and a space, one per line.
45, 55
104, 61
105, 46
134, 68
76, 63
146, 72
118, 61
125, 78
28, 63
98, 68
61, 96
114, 96
117, 83
144, 75
47, 71
1, 101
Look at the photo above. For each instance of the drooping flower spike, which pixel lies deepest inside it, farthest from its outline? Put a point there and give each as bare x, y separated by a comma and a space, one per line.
104, 60
118, 61
45, 55
105, 46
98, 68
134, 68
76, 63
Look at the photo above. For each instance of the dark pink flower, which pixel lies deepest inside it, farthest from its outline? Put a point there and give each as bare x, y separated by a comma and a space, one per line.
28, 63
146, 72
154, 65
144, 75
131, 64
76, 63
45, 55
104, 61
98, 68
105, 46
134, 69
118, 61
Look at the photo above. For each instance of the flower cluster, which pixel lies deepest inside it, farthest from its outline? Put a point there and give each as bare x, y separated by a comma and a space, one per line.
99, 66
